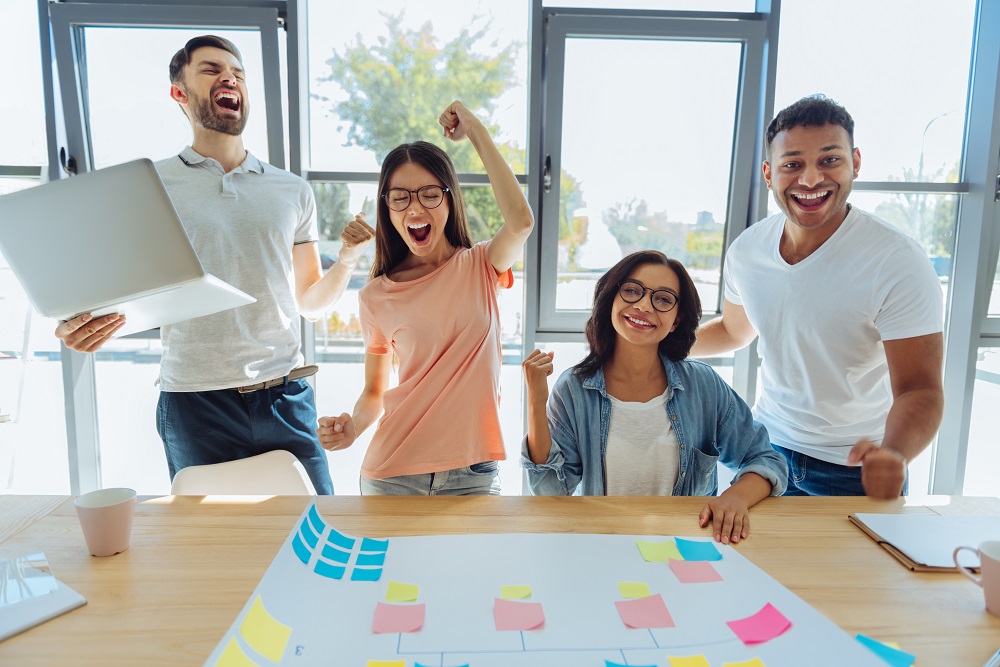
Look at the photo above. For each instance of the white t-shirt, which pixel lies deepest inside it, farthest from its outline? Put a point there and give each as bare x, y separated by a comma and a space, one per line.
641, 458
821, 322
243, 225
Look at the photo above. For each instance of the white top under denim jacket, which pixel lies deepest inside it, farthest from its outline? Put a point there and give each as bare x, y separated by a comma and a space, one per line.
711, 421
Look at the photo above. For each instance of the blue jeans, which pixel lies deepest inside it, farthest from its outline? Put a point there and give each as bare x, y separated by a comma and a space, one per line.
808, 476
480, 479
201, 427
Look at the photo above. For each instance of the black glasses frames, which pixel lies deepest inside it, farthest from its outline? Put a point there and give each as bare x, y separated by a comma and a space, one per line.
632, 292
429, 196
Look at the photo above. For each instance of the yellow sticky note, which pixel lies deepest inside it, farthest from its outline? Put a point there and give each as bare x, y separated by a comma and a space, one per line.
386, 663
690, 661
515, 592
234, 656
633, 589
264, 633
398, 592
756, 662
893, 645
659, 552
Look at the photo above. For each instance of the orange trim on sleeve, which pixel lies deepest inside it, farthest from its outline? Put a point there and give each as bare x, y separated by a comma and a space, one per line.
506, 279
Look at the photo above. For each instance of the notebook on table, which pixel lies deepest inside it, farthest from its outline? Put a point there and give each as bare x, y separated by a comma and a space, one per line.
109, 241
925, 543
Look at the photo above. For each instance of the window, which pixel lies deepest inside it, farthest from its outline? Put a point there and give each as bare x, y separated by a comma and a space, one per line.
132, 116
22, 109
380, 73
983, 455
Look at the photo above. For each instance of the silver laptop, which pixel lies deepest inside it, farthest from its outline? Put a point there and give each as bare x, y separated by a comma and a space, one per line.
109, 241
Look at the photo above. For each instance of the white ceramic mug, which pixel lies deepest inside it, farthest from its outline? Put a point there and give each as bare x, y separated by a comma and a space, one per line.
989, 581
106, 518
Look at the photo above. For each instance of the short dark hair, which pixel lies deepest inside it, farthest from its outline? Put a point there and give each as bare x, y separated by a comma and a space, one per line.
601, 334
183, 57
814, 110
390, 248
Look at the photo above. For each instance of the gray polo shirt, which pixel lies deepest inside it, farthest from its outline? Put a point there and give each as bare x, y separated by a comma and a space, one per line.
243, 225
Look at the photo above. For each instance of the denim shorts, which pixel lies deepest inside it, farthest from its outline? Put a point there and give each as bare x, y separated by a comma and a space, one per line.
201, 427
808, 476
479, 479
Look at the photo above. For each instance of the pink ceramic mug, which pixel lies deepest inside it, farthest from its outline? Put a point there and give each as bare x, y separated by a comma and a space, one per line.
989, 581
106, 518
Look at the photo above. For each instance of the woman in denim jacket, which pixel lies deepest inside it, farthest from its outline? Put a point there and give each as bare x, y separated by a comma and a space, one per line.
636, 417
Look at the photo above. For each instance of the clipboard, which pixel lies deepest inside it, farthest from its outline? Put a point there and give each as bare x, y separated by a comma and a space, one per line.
925, 543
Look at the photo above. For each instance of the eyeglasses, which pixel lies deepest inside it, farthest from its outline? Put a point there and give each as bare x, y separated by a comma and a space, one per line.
633, 292
429, 196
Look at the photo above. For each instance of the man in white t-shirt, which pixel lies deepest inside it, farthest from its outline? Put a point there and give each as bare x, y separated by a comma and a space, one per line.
232, 384
849, 313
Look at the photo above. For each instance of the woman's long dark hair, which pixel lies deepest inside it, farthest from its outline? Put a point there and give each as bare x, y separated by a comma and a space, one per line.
390, 248
601, 334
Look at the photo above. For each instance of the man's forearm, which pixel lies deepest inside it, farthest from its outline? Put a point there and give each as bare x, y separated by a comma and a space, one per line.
714, 339
913, 421
326, 291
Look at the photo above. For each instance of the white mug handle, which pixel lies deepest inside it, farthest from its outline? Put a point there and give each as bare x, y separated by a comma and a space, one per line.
964, 570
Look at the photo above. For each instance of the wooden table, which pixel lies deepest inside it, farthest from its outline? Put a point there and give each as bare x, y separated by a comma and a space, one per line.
194, 562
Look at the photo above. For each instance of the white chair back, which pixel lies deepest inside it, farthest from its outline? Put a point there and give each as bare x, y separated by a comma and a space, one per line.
273, 473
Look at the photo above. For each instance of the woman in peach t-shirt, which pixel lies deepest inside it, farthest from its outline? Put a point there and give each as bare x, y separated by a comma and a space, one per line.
432, 301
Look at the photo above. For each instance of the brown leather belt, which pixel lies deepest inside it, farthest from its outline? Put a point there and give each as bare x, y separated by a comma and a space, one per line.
294, 374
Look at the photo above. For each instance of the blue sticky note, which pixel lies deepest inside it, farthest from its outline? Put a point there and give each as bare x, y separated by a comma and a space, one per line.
692, 550
365, 574
608, 663
328, 570
300, 549
893, 656
308, 535
315, 520
368, 544
337, 538
371, 559
331, 552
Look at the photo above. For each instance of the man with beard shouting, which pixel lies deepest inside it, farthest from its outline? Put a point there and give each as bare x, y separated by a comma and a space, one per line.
232, 384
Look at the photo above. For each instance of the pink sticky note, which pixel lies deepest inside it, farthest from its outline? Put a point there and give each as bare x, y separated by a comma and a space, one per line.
647, 612
391, 618
765, 625
694, 571
512, 615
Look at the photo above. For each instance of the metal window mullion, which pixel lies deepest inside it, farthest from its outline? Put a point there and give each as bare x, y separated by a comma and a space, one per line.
297, 40
554, 63
316, 176
271, 60
975, 255
911, 187
20, 171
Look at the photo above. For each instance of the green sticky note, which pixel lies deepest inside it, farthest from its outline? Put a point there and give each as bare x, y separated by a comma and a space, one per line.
659, 552
515, 592
398, 592
633, 589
